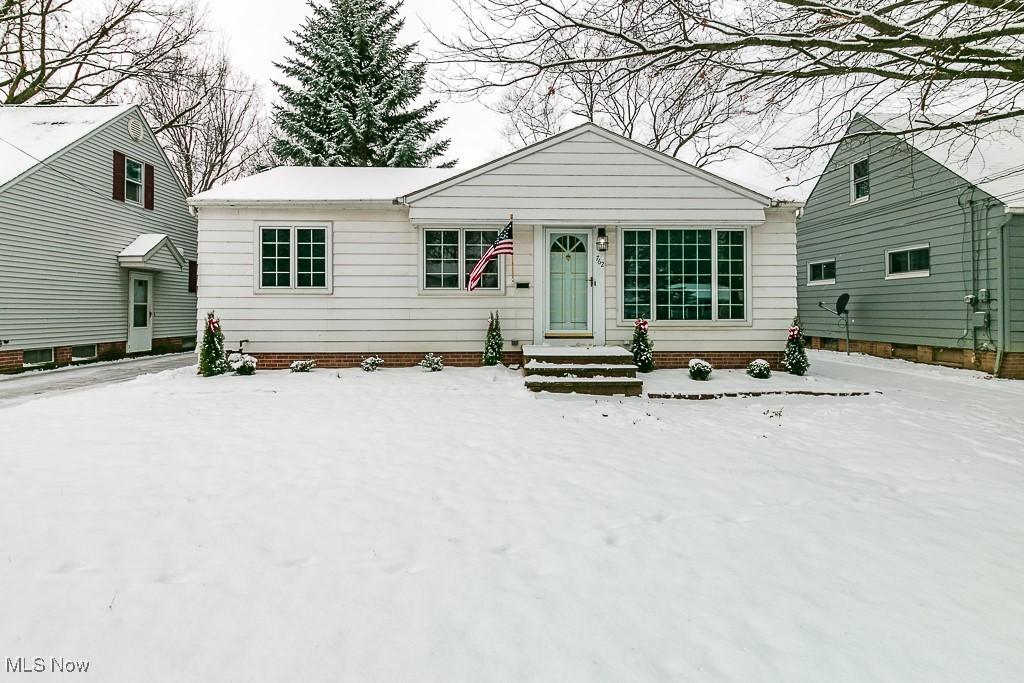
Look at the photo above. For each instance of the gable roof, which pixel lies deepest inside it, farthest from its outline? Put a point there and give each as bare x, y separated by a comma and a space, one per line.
575, 132
145, 247
31, 134
991, 158
312, 184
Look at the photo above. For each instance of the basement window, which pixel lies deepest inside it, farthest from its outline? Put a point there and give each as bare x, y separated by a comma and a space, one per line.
83, 352
31, 357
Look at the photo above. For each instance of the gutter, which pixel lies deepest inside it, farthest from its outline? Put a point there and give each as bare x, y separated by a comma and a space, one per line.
1004, 290
292, 203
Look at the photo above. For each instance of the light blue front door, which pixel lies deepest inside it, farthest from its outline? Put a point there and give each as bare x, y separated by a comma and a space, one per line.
568, 282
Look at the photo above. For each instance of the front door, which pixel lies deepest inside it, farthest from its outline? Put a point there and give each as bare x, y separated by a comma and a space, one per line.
140, 312
569, 284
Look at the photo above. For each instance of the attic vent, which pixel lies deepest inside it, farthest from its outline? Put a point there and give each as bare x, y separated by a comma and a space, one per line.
134, 129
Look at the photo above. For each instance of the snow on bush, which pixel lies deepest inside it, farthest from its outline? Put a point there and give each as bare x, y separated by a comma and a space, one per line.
432, 363
371, 364
759, 368
700, 369
303, 365
242, 363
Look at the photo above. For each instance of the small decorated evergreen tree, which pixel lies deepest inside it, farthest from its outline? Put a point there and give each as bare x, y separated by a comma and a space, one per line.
211, 355
794, 358
642, 348
494, 342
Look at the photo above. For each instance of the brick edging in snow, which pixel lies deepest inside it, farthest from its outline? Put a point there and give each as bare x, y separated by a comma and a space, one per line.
756, 393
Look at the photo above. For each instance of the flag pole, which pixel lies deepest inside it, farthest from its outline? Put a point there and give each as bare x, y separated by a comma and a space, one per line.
510, 222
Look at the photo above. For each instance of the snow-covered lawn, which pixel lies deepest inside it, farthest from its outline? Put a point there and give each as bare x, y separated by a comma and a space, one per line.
409, 526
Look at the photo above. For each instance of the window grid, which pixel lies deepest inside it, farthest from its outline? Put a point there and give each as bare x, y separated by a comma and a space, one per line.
636, 274
311, 257
681, 269
275, 257
478, 242
441, 258
683, 275
731, 274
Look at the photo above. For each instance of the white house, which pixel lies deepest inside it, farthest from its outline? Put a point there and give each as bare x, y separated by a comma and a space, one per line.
340, 263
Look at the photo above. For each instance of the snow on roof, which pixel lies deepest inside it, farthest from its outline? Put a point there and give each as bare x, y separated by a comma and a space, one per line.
322, 184
991, 157
29, 134
143, 244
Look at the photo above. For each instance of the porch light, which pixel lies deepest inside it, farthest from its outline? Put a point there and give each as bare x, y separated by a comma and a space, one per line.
602, 240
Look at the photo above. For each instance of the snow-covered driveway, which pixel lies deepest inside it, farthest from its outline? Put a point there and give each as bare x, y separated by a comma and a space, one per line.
403, 526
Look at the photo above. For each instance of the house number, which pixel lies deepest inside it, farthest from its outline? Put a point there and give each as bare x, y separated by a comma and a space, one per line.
599, 259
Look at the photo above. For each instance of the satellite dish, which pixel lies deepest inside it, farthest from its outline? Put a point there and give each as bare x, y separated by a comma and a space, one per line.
841, 303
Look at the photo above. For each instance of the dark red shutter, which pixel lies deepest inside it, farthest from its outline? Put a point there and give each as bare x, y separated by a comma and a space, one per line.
150, 185
193, 276
118, 176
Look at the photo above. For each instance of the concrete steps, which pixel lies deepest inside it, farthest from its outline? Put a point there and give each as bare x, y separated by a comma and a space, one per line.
595, 370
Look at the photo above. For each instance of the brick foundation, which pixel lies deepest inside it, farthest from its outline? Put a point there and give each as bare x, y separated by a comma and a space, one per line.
985, 361
662, 359
13, 360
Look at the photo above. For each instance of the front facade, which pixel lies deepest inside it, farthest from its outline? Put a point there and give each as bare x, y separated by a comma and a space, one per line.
97, 244
929, 247
306, 263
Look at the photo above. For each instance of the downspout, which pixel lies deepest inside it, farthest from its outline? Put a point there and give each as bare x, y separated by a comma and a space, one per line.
1004, 292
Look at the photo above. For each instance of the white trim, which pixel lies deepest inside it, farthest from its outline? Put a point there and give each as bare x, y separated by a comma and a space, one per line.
746, 321
421, 279
292, 289
912, 273
854, 199
141, 342
816, 283
589, 335
588, 127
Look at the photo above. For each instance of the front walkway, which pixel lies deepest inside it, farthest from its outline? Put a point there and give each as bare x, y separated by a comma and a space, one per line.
27, 386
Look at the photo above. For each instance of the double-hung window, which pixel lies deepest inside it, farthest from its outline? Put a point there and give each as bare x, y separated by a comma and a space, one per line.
684, 274
908, 262
133, 191
860, 181
821, 272
294, 257
449, 255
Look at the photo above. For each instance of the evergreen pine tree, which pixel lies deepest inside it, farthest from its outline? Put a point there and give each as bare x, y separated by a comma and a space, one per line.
794, 358
494, 342
211, 355
351, 98
642, 347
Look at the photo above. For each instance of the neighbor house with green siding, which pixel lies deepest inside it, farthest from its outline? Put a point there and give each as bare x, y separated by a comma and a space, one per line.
97, 244
925, 232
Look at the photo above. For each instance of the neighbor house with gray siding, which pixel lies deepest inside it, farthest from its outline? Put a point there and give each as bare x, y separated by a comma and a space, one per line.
925, 232
340, 263
97, 244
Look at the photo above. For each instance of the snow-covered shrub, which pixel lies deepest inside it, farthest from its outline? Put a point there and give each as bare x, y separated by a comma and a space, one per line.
759, 368
303, 365
432, 363
494, 342
371, 364
700, 369
795, 357
242, 363
642, 347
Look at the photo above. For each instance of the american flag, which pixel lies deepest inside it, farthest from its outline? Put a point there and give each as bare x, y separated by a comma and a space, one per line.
502, 245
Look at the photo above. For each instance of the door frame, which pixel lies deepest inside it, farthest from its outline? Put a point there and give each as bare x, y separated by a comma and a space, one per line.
132, 346
542, 301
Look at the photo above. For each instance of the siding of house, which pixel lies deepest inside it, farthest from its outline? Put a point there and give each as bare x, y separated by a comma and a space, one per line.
588, 179
376, 305
60, 234
913, 200
1017, 284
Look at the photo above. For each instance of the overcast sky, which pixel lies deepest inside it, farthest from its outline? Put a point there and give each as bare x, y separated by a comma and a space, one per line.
255, 33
